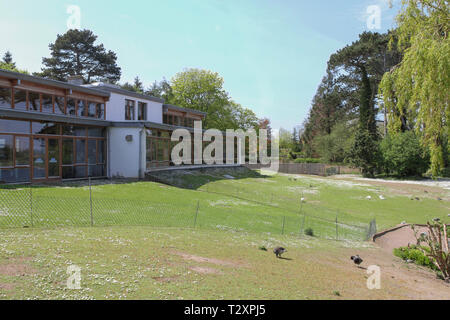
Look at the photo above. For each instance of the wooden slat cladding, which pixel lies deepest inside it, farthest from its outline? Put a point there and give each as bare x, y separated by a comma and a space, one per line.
54, 91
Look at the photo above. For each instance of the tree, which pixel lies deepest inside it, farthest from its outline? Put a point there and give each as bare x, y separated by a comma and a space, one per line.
201, 90
8, 64
7, 58
338, 97
162, 90
419, 86
336, 146
403, 155
75, 53
137, 86
364, 60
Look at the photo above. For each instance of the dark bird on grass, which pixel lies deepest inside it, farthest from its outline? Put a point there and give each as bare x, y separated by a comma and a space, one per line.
279, 251
417, 198
357, 259
436, 219
425, 191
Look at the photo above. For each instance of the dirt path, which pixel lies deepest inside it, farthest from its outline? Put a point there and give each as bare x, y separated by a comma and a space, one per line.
400, 236
400, 280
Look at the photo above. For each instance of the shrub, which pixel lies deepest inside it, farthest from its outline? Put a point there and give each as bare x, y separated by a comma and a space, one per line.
403, 155
416, 255
309, 232
307, 160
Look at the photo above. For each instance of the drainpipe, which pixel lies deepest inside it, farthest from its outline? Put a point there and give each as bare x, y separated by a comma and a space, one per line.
141, 173
108, 160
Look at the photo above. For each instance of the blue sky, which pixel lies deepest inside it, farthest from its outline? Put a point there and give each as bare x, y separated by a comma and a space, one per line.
272, 54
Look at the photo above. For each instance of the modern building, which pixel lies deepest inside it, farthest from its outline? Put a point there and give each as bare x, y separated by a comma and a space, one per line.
52, 130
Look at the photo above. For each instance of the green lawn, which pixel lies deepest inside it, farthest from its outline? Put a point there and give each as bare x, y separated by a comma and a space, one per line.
153, 251
251, 202
164, 263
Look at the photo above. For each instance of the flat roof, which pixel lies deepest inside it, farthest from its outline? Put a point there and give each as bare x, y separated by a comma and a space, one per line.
113, 88
55, 83
41, 116
171, 106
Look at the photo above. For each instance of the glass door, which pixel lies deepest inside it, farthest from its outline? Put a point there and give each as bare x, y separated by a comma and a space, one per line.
46, 158
39, 158
53, 158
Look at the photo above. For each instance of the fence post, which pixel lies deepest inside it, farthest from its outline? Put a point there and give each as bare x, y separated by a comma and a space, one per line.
301, 203
337, 232
303, 225
196, 213
31, 206
90, 201
284, 221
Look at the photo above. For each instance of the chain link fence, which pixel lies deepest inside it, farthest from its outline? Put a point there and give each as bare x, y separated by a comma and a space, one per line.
25, 207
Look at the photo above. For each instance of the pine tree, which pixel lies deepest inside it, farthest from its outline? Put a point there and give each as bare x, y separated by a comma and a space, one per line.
75, 53
7, 58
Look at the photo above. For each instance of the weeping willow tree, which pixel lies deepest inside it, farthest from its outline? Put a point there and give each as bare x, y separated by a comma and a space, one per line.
418, 88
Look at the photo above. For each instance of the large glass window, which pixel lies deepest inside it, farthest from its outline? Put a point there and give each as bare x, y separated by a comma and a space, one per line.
74, 131
129, 109
92, 109
6, 151
59, 105
71, 106
47, 103
81, 150
53, 158
15, 175
14, 126
101, 110
20, 99
67, 151
92, 152
142, 111
82, 108
5, 97
80, 171
101, 151
39, 155
96, 132
68, 172
22, 151
34, 101
97, 171
44, 128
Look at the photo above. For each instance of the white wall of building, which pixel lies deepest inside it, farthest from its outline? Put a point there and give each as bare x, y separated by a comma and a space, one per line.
127, 159
115, 108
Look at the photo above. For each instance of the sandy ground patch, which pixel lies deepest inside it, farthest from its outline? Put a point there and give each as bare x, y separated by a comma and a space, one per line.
17, 267
205, 270
195, 258
7, 286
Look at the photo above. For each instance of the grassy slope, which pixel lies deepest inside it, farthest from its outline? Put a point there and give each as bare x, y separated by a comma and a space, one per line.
252, 203
142, 262
151, 263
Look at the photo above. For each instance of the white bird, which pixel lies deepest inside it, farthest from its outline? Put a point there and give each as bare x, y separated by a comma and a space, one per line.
369, 198
302, 199
382, 198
